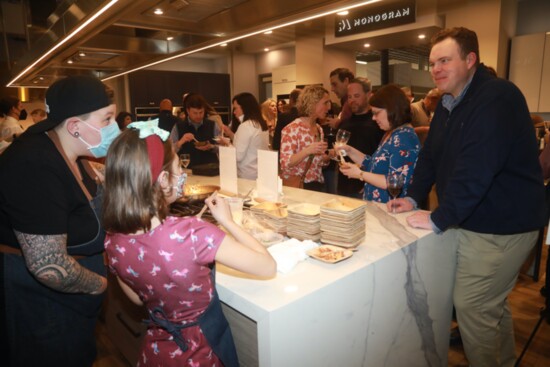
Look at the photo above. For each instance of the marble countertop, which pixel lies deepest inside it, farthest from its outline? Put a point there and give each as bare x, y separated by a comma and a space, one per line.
256, 298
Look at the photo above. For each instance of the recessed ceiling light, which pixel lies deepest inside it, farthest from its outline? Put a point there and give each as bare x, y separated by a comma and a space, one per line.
366, 45
223, 45
41, 78
282, 25
268, 32
342, 13
35, 81
421, 36
63, 41
266, 49
169, 38
158, 11
82, 54
69, 61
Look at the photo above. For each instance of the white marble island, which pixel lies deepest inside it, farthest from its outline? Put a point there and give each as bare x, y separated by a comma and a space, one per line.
388, 305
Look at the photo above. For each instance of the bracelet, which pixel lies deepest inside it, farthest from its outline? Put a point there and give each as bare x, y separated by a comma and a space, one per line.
361, 176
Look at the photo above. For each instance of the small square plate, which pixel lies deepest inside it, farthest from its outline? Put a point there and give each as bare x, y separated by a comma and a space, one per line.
330, 254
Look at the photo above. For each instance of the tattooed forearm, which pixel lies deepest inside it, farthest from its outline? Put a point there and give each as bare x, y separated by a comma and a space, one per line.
47, 259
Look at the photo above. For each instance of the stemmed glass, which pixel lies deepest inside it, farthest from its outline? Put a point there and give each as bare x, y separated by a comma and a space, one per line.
185, 159
395, 184
342, 138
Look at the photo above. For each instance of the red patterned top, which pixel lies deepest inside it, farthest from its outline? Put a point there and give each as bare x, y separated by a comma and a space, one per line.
295, 137
168, 267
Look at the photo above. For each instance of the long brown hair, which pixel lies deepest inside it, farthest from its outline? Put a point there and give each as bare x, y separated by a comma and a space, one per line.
131, 198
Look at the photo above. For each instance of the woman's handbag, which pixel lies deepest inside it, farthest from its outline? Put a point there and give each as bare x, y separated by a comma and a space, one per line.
298, 181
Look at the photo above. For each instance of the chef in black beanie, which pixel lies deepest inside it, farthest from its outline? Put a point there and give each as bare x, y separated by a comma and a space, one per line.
51, 239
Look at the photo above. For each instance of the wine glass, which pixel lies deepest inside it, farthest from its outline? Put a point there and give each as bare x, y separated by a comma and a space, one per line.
185, 159
342, 138
395, 184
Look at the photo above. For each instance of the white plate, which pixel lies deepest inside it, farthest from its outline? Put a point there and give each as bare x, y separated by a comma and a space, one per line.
330, 254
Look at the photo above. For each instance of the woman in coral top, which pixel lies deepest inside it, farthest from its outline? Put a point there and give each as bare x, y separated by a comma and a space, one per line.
302, 140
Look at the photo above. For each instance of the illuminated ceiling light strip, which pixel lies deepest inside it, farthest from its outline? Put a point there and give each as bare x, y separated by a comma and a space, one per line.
71, 35
245, 36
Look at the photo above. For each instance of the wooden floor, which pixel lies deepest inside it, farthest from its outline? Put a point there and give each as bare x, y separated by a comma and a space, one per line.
525, 301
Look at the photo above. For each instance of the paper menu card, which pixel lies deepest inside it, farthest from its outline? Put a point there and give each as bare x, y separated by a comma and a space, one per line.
228, 169
267, 184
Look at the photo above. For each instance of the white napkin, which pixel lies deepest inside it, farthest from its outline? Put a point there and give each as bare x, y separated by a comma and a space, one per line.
289, 253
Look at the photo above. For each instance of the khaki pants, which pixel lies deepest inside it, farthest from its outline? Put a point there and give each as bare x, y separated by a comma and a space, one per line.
487, 269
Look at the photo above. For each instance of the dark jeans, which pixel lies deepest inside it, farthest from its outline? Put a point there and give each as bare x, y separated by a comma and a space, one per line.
314, 186
330, 175
43, 327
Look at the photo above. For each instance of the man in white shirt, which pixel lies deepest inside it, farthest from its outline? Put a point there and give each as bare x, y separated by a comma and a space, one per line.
10, 108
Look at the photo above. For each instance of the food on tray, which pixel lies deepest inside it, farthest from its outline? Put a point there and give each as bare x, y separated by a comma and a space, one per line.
201, 143
329, 253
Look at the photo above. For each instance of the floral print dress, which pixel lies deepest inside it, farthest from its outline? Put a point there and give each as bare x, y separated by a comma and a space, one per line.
295, 137
168, 267
397, 154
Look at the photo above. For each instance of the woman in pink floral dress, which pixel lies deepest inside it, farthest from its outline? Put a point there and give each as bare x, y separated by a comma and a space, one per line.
166, 262
302, 139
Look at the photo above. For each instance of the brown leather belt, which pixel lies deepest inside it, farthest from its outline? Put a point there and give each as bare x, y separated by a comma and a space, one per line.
15, 251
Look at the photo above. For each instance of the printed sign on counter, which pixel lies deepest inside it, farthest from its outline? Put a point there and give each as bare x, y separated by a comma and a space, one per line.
228, 170
267, 184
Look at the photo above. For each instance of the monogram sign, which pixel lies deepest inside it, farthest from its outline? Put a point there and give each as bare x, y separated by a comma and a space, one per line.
374, 18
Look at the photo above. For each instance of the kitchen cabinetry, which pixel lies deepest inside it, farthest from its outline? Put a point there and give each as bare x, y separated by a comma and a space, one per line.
530, 69
283, 79
149, 87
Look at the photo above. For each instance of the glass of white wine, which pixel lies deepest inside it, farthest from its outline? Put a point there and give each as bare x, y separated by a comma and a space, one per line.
185, 159
342, 138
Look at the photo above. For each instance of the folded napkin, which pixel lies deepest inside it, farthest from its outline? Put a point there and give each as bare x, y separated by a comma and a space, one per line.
289, 253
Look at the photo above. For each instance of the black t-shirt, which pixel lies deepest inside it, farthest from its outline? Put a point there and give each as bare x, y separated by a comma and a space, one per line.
365, 137
167, 120
40, 195
283, 120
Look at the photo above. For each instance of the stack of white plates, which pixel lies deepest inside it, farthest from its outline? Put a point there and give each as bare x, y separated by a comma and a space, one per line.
303, 222
271, 215
343, 222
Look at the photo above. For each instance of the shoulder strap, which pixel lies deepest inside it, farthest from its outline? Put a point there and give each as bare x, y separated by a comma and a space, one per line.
308, 164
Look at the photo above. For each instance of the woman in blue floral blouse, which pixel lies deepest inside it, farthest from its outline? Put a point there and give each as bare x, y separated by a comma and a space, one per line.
397, 151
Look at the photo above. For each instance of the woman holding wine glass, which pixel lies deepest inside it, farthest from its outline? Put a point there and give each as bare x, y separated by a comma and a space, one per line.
302, 153
397, 152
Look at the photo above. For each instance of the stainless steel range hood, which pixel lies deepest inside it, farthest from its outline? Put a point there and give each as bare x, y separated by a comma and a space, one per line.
129, 35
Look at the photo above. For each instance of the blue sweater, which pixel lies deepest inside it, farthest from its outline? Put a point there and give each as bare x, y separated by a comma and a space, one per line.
483, 158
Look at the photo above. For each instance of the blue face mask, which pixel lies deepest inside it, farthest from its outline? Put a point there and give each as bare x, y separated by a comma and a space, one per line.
108, 134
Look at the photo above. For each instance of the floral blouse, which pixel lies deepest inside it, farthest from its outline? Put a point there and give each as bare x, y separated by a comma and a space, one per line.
398, 154
295, 137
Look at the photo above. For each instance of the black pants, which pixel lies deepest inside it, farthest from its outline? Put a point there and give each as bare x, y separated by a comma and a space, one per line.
314, 186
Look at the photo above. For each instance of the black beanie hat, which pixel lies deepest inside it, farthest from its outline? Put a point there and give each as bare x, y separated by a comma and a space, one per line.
72, 96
